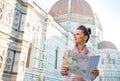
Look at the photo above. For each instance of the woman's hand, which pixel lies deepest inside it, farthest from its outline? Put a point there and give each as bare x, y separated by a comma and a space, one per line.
64, 70
95, 72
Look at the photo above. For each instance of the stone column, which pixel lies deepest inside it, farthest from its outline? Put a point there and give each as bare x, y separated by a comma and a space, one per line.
2, 61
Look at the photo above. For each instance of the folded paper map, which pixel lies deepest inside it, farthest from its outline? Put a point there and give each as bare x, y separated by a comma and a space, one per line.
82, 64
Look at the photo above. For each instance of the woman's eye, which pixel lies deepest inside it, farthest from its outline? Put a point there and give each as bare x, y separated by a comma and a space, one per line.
76, 34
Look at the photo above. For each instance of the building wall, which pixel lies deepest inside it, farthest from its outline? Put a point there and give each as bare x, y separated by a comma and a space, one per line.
54, 50
11, 41
20, 39
32, 44
109, 65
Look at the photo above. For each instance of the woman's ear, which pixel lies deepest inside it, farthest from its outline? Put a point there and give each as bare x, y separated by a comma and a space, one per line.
85, 38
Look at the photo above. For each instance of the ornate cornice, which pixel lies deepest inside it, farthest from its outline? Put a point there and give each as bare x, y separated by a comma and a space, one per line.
25, 4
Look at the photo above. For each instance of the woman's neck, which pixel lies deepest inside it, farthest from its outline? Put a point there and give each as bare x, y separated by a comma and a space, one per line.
80, 47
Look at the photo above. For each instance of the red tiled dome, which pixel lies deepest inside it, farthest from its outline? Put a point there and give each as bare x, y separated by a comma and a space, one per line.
106, 44
76, 7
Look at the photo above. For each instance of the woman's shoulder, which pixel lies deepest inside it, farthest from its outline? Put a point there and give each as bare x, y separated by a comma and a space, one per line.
91, 52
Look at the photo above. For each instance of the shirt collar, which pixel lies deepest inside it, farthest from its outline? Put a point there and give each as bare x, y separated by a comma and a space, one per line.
84, 51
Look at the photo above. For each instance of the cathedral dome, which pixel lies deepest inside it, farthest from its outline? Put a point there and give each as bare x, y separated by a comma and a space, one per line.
106, 44
71, 6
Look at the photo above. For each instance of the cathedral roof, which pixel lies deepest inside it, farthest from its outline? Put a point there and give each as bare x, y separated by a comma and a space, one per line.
71, 6
106, 44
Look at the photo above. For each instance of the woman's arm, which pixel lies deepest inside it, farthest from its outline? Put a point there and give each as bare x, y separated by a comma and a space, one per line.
64, 66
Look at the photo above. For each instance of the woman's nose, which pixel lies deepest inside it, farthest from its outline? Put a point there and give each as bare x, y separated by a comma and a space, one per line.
74, 37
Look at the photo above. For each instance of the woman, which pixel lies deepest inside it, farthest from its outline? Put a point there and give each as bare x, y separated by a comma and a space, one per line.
81, 37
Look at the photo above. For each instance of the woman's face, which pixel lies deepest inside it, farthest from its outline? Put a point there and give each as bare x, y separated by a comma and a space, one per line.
79, 37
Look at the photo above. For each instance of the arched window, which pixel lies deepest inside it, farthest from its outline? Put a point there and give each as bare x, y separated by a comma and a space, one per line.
56, 57
29, 54
100, 78
108, 58
102, 61
1, 59
113, 61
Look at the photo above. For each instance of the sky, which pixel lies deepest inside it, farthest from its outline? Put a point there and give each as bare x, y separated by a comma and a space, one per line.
108, 12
